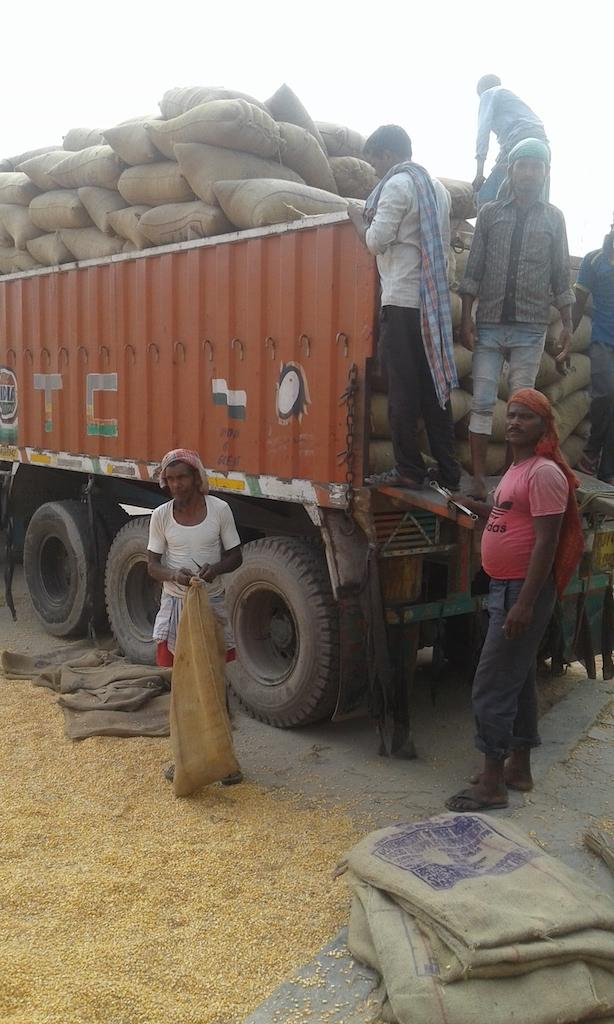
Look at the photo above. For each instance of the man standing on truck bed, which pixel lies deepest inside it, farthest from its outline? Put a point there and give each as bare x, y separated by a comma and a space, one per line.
195, 534
530, 548
518, 266
406, 225
596, 278
505, 114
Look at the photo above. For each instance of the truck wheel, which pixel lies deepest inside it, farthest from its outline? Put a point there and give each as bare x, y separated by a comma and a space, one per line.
58, 569
133, 598
286, 628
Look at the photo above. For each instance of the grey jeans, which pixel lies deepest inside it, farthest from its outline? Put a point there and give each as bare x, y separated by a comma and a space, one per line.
504, 691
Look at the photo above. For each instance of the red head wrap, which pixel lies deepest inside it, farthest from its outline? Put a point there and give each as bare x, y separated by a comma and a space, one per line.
571, 538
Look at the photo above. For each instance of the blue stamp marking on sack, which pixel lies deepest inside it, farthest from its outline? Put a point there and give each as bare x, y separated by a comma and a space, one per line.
443, 853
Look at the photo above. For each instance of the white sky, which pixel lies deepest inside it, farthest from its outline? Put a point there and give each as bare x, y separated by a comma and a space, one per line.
413, 64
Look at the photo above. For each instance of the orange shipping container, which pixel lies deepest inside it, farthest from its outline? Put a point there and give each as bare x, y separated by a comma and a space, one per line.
239, 347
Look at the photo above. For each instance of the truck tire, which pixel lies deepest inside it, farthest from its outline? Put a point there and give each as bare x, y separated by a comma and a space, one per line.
58, 569
286, 628
133, 598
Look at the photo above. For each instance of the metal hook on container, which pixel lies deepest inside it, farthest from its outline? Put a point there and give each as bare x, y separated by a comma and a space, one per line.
269, 343
176, 347
45, 350
304, 340
82, 349
104, 348
11, 352
28, 354
153, 345
63, 351
341, 336
207, 347
129, 347
233, 345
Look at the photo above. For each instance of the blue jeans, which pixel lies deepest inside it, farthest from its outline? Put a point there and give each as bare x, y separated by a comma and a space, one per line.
504, 694
522, 345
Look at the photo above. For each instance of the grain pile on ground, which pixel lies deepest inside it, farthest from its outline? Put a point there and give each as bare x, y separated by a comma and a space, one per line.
120, 903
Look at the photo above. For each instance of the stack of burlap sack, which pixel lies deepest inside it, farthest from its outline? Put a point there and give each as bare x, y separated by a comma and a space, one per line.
568, 393
213, 161
466, 920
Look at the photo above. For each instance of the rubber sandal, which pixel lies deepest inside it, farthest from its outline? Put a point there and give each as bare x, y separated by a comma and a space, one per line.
233, 779
464, 802
392, 478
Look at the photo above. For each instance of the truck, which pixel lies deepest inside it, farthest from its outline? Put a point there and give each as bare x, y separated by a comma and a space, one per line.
259, 350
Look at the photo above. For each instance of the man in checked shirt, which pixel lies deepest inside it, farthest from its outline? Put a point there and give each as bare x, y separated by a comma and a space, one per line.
517, 268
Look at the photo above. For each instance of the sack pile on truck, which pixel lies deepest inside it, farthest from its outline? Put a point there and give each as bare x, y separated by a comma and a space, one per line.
569, 393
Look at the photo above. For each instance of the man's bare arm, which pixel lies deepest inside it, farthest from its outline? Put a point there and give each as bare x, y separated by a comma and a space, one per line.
162, 574
229, 561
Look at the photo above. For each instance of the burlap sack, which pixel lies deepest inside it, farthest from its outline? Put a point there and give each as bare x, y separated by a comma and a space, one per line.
254, 204
379, 424
20, 158
16, 187
303, 154
6, 165
381, 456
99, 203
284, 105
456, 309
355, 178
461, 263
202, 166
49, 250
339, 140
478, 904
495, 457
582, 335
200, 731
573, 448
17, 225
39, 168
131, 141
182, 222
570, 411
463, 359
392, 942
233, 124
547, 373
583, 429
13, 261
577, 378
462, 196
178, 101
90, 243
97, 165
127, 225
59, 209
82, 138
154, 184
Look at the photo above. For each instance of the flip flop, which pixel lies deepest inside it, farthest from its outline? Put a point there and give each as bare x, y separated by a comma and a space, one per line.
464, 802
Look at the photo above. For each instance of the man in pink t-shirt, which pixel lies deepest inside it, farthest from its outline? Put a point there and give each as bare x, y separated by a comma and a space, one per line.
519, 544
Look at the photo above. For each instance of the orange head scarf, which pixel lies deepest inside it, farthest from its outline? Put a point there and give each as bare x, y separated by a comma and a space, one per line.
571, 538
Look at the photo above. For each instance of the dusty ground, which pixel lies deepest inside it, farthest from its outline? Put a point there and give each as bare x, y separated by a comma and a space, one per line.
122, 904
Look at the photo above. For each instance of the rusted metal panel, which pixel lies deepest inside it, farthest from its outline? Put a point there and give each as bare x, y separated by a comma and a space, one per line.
239, 347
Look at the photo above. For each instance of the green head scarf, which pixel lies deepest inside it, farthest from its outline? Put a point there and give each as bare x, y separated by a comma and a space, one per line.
530, 149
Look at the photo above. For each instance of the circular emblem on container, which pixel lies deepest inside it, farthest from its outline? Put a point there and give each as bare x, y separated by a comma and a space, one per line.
8, 396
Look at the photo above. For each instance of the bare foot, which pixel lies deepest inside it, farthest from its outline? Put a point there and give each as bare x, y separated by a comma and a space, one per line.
478, 798
514, 779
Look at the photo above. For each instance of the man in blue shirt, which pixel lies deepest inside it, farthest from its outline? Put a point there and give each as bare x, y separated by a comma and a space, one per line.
596, 278
511, 120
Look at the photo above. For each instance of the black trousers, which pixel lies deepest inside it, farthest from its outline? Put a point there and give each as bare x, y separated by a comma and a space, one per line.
411, 394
